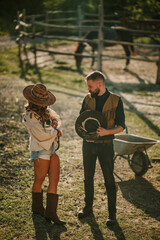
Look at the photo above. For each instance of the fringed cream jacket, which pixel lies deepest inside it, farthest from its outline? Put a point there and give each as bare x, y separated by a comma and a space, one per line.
41, 137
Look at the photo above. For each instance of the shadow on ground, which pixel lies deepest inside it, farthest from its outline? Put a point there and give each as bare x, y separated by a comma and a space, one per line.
97, 234
128, 88
45, 230
143, 195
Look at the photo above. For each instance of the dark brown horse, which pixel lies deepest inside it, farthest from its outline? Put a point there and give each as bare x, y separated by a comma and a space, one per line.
113, 33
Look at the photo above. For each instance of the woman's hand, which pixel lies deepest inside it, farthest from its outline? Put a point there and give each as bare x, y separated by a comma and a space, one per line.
54, 123
59, 133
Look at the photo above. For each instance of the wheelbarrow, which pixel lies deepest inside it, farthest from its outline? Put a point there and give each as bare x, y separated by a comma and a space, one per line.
133, 148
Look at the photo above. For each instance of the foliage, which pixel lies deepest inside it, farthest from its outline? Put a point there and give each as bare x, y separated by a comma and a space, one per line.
144, 9
60, 5
139, 9
8, 11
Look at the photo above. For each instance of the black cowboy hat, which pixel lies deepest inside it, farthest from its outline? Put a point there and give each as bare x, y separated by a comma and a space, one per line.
87, 123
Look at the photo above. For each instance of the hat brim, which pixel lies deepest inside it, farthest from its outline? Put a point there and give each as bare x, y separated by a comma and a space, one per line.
42, 102
82, 117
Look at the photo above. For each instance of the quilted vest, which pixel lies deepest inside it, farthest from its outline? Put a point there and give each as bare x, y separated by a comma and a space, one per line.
109, 108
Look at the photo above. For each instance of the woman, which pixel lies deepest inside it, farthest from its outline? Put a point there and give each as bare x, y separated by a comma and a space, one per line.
42, 124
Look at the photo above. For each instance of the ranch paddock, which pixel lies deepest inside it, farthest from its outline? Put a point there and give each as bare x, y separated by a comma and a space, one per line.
138, 198
114, 34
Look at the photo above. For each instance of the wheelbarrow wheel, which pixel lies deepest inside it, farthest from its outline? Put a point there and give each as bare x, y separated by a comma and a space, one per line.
139, 163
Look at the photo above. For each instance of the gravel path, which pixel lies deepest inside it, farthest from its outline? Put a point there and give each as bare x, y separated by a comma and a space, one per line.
7, 41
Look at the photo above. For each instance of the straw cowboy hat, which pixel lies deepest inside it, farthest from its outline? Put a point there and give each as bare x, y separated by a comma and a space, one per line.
39, 95
87, 123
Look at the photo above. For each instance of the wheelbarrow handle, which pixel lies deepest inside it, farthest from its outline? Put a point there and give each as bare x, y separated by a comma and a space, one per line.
126, 129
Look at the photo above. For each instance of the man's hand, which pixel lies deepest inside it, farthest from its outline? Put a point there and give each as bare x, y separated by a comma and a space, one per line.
102, 131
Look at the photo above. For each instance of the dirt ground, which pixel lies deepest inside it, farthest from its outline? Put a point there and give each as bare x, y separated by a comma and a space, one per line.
138, 204
141, 76
7, 41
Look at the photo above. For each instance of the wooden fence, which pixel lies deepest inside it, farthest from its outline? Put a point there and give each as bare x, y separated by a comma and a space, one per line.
45, 26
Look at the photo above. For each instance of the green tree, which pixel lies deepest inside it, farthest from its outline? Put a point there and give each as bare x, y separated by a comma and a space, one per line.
60, 4
8, 11
144, 9
137, 9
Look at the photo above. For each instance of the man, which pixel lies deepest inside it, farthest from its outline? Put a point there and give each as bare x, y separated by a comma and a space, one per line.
101, 100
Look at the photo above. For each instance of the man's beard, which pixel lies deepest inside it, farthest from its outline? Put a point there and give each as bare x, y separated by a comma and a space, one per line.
95, 94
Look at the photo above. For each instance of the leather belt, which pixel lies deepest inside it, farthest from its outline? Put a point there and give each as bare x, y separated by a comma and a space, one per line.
103, 141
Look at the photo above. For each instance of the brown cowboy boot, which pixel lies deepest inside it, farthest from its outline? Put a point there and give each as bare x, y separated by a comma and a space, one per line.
37, 203
51, 209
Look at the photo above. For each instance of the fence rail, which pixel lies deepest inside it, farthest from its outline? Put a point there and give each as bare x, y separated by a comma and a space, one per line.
31, 28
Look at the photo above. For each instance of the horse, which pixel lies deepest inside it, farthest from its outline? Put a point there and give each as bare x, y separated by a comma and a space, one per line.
117, 33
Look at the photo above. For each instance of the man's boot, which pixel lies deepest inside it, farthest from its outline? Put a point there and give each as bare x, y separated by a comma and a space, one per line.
51, 209
87, 211
111, 221
89, 193
37, 203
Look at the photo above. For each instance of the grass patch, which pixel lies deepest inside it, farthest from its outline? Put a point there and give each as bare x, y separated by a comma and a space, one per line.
64, 78
61, 75
138, 198
9, 63
147, 40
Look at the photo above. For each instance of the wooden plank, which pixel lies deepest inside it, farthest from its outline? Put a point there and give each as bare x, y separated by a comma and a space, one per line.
133, 44
139, 32
77, 39
74, 39
91, 14
34, 41
35, 16
76, 28
25, 24
158, 70
80, 20
63, 19
60, 53
100, 38
90, 56
131, 58
55, 12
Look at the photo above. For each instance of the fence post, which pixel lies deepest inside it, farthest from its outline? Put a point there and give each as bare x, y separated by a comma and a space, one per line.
79, 20
158, 70
18, 39
46, 28
34, 40
24, 30
100, 38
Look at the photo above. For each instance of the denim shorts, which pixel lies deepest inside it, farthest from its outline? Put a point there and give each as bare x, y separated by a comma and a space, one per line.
44, 154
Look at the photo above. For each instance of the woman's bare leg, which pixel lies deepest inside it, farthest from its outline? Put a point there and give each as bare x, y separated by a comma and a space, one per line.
52, 196
41, 168
53, 173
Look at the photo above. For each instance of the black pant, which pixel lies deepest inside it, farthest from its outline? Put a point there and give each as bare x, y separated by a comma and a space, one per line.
105, 154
